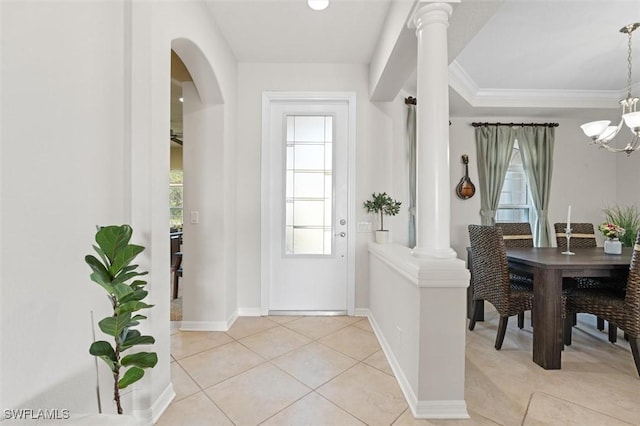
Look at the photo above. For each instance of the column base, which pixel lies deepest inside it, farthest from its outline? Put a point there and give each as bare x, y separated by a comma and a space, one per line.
434, 253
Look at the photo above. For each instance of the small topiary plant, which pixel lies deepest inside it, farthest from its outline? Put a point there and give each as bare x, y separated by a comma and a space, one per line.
383, 204
112, 272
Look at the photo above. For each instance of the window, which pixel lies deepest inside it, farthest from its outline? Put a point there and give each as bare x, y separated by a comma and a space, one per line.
515, 203
309, 185
175, 199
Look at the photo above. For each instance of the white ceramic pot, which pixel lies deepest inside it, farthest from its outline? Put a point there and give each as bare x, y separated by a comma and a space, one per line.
613, 246
382, 237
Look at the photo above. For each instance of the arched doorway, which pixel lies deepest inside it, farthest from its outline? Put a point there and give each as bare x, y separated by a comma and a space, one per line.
206, 300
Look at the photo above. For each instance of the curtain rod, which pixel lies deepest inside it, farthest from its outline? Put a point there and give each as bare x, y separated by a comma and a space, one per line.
516, 124
410, 100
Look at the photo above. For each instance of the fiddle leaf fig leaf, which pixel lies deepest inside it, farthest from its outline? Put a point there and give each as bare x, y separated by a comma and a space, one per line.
105, 352
100, 274
132, 375
132, 307
112, 239
137, 294
137, 284
133, 340
114, 325
141, 359
113, 271
102, 255
124, 257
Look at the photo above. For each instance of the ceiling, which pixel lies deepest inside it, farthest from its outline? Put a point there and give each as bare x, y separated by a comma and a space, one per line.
561, 58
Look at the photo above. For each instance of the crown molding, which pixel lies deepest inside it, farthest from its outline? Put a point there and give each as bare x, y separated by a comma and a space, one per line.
466, 87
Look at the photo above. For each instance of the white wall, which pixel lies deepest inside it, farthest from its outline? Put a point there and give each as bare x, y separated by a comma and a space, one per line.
373, 132
583, 176
61, 92
91, 79
628, 176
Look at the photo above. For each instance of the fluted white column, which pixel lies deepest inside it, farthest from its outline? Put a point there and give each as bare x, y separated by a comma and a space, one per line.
433, 205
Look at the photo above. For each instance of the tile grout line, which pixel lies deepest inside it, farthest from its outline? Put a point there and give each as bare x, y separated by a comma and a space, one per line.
270, 361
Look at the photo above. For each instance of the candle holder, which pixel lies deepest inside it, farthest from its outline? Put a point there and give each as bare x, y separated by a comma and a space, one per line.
568, 235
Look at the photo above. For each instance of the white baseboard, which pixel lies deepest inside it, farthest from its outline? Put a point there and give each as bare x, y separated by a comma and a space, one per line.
405, 387
362, 312
209, 325
448, 409
250, 312
204, 326
162, 403
441, 410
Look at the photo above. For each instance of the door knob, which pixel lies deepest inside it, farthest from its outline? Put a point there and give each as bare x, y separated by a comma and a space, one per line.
341, 234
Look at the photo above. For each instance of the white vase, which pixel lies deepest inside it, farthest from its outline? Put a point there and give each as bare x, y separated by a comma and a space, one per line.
612, 246
382, 237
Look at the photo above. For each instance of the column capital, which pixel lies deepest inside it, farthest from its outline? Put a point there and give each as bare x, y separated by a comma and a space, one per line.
426, 12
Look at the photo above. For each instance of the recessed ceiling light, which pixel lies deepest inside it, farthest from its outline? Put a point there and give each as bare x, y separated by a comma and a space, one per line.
318, 4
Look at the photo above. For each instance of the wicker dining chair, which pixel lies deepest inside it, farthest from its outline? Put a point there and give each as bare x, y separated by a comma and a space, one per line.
583, 236
518, 235
623, 310
491, 279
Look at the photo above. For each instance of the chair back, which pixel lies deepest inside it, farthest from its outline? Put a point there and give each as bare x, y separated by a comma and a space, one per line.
489, 264
516, 234
174, 245
582, 235
632, 296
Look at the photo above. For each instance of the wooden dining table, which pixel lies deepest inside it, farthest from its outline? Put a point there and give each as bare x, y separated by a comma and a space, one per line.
548, 267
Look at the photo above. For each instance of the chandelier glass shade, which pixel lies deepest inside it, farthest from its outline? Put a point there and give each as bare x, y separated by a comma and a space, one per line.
601, 132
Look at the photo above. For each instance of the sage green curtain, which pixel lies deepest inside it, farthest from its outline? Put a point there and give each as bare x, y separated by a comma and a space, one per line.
411, 153
494, 146
536, 149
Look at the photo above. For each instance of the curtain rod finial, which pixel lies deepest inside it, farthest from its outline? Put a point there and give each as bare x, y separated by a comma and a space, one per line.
410, 100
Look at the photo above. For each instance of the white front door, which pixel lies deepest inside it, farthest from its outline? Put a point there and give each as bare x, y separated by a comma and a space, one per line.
307, 202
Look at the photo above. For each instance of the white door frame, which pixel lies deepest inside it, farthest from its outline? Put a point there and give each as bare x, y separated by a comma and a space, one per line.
268, 99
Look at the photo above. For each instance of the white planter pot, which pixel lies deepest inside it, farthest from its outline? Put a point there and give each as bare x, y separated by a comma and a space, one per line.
613, 246
382, 237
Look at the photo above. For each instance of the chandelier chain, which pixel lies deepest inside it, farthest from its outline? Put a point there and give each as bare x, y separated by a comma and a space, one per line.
629, 61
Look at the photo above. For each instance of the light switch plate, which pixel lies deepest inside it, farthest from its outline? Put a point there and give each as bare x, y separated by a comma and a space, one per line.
364, 226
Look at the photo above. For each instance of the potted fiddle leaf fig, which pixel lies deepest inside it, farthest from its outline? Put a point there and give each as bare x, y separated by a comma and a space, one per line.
114, 272
384, 205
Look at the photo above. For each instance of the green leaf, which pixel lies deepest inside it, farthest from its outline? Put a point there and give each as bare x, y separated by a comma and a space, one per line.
114, 325
141, 359
102, 255
121, 290
131, 376
122, 278
112, 239
100, 274
104, 351
124, 257
131, 307
136, 340
101, 348
136, 294
137, 284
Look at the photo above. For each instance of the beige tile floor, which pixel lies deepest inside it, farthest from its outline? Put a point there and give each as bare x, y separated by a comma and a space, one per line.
332, 371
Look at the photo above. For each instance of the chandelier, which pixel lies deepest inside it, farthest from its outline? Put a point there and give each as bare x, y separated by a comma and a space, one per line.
601, 132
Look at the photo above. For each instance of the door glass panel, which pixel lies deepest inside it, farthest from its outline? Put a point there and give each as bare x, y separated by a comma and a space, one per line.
309, 185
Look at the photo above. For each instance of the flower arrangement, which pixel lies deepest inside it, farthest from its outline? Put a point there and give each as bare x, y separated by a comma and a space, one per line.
627, 217
611, 230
